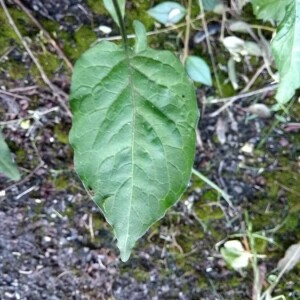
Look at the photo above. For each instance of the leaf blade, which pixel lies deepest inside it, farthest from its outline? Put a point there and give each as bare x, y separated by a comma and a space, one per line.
269, 10
198, 70
135, 113
291, 258
168, 12
7, 166
286, 51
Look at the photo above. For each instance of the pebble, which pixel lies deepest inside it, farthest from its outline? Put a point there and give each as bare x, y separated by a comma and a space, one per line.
105, 29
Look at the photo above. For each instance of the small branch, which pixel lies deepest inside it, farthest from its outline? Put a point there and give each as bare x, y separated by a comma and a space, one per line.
34, 59
35, 114
253, 79
230, 100
13, 95
187, 32
212, 58
154, 32
26, 178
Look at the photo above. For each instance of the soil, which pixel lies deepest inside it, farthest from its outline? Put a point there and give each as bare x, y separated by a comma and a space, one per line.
55, 244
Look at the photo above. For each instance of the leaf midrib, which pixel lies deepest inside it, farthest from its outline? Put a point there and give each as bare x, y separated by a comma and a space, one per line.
127, 57
134, 93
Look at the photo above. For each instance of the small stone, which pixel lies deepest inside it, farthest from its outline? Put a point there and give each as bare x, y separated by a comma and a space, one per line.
247, 148
47, 239
238, 189
105, 29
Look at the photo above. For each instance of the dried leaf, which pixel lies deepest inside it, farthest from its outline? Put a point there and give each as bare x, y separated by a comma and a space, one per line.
235, 255
290, 259
252, 48
234, 44
240, 26
221, 130
232, 74
259, 109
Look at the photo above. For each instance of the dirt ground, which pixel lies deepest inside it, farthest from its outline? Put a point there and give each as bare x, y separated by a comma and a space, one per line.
55, 244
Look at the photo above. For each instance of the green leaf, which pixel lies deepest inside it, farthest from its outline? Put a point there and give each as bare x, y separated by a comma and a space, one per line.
216, 6
198, 70
7, 166
286, 51
133, 134
111, 9
167, 12
141, 38
269, 10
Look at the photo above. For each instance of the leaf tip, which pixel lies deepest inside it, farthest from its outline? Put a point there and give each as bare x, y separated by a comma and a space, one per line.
125, 256
125, 252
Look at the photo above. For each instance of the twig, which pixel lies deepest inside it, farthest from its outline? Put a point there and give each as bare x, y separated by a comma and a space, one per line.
212, 58
24, 89
40, 165
35, 60
91, 227
36, 114
16, 96
230, 100
187, 32
267, 56
4, 55
164, 30
253, 79
255, 26
46, 34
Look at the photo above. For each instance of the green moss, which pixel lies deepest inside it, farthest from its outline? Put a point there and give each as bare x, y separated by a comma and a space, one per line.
260, 246
291, 223
83, 39
20, 156
209, 212
15, 69
97, 7
50, 62
60, 182
60, 134
186, 239
7, 33
51, 26
140, 275
139, 12
70, 213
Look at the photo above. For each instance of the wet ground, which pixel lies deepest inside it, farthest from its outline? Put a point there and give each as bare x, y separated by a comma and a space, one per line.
54, 244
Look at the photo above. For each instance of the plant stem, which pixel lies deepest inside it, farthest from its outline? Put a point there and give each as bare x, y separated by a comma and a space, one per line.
121, 23
214, 186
